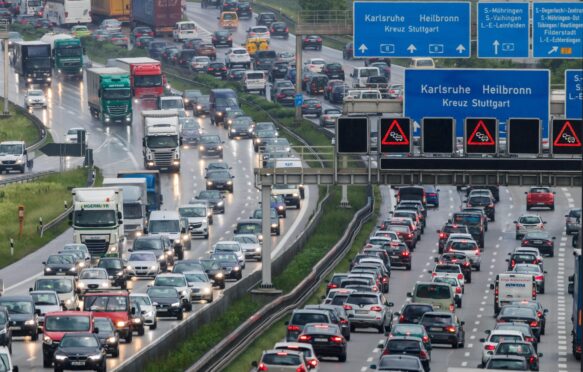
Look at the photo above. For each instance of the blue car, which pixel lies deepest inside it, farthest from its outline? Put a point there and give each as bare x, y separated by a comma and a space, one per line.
432, 196
278, 203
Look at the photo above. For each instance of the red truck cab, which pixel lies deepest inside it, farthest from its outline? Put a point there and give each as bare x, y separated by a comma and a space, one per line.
115, 305
540, 197
146, 77
57, 324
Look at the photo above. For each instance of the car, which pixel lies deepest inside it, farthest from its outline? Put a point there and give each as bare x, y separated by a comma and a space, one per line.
236, 74
178, 281
532, 250
326, 339
541, 312
338, 315
278, 360
219, 180
411, 313
573, 221
93, 279
159, 245
450, 270
332, 83
333, 71
44, 302
495, 337
413, 330
312, 106
213, 270
521, 258
538, 197
259, 31
100, 35
306, 349
485, 202
237, 57
107, 335
217, 69
398, 363
348, 51
522, 314
119, 39
329, 117
140, 31
80, 351
143, 41
80, 31
214, 198
231, 247
312, 42
457, 258
278, 72
265, 19
337, 296
72, 135
285, 96
536, 271
230, 264
142, 264
278, 84
222, 38
250, 245
396, 91
455, 284
59, 264
229, 5
207, 3
207, 50
405, 234
315, 84
22, 315
444, 328
242, 127
467, 246
168, 301
116, 271
35, 98
518, 326
315, 65
373, 311
336, 96
110, 25
520, 348
527, 223
275, 225
408, 345
79, 248
481, 211
287, 56
148, 308
199, 63
261, 136
507, 362
13, 38
244, 9
24, 19
210, 145
541, 240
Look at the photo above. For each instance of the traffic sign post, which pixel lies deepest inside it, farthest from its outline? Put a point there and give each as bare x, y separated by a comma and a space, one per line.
524, 136
574, 94
438, 136
481, 136
471, 93
557, 30
411, 29
352, 135
298, 100
395, 135
503, 30
566, 138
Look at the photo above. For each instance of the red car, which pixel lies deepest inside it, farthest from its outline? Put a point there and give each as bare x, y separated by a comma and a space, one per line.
57, 324
539, 197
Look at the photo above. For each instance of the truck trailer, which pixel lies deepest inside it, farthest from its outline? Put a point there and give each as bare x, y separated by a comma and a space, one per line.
146, 78
576, 290
160, 15
109, 94
153, 186
105, 9
161, 143
135, 202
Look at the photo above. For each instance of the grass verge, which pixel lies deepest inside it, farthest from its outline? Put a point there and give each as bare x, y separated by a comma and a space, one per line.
100, 51
41, 198
276, 332
17, 127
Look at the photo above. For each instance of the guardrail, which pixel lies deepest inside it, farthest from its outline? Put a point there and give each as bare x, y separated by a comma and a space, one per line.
231, 346
25, 178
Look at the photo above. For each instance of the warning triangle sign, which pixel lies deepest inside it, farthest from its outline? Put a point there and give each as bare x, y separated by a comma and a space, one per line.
567, 137
481, 136
395, 135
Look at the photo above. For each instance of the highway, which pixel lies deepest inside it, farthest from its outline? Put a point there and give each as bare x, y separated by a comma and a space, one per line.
477, 310
118, 148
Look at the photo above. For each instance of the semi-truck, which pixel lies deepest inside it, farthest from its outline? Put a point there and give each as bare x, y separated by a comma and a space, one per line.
109, 94
576, 290
32, 61
105, 9
67, 54
160, 16
146, 78
153, 187
135, 201
161, 143
97, 220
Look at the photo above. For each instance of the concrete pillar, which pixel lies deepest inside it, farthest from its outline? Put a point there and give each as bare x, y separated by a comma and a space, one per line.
344, 203
6, 75
299, 67
266, 231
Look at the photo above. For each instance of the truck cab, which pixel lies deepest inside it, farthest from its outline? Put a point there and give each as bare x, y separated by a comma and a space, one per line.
161, 142
153, 187
109, 95
13, 156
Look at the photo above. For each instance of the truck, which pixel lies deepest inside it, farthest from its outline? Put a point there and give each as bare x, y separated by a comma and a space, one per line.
146, 78
97, 220
32, 61
109, 94
13, 156
135, 201
161, 142
160, 16
153, 188
67, 54
511, 287
104, 9
576, 290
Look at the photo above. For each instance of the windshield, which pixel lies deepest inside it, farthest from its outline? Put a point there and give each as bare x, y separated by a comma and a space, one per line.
110, 264
66, 323
227, 248
70, 52
467, 219
132, 211
167, 104
211, 195
104, 325
161, 142
281, 359
77, 341
146, 256
515, 365
57, 285
248, 228
192, 212
530, 220
116, 93
41, 299
59, 260
141, 300
225, 257
37, 63
208, 140
500, 338
196, 277
514, 348
94, 218
305, 318
105, 303
147, 244
93, 274
362, 300
464, 246
163, 292
400, 346
170, 281
436, 319
145, 81
18, 307
437, 292
11, 149
162, 226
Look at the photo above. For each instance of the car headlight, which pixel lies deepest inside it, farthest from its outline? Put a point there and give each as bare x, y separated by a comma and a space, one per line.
186, 100
176, 304
219, 113
48, 269
184, 293
105, 284
29, 322
198, 107
257, 249
73, 269
219, 147
280, 207
137, 320
295, 194
112, 340
95, 357
154, 304
154, 267
161, 257
236, 268
233, 130
128, 267
121, 272
68, 301
120, 324
206, 290
176, 241
229, 182
81, 264
220, 204
80, 285
60, 357
210, 183
47, 340
201, 148
3, 331
258, 140
273, 225
219, 275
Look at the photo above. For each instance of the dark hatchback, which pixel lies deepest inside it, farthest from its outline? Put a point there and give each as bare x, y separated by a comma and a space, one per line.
241, 127
229, 264
184, 56
336, 96
312, 41
316, 84
213, 270
412, 313
521, 349
22, 314
521, 314
244, 10
115, 270
333, 71
407, 345
167, 301
80, 351
217, 69
278, 71
312, 106
432, 196
483, 201
210, 145
399, 254
219, 180
446, 230
285, 96
5, 330
444, 328
222, 38
326, 339
279, 29
107, 335
541, 240
348, 51
214, 198
458, 258
156, 48
201, 106
60, 265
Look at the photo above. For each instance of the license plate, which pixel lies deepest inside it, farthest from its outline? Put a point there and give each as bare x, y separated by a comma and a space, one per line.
435, 329
362, 311
537, 241
321, 339
76, 363
394, 257
16, 328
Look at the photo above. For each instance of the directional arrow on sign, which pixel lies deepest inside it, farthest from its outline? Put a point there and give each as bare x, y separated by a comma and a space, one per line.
553, 50
362, 48
460, 48
496, 44
411, 48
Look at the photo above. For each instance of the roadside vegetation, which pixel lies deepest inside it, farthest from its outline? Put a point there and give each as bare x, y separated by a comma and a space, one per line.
17, 127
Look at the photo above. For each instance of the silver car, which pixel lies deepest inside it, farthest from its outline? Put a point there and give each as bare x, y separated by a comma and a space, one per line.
200, 285
148, 309
528, 222
143, 264
467, 246
230, 246
369, 310
250, 244
45, 302
178, 281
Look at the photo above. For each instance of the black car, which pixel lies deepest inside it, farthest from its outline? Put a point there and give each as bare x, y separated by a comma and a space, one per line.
521, 258
312, 106
348, 51
522, 314
60, 264
541, 240
541, 312
214, 271
411, 313
316, 84
222, 38
168, 52
326, 339
115, 270
336, 96
338, 316
80, 351
264, 59
214, 198
444, 328
399, 254
140, 31
219, 180
167, 301
494, 189
242, 127
236, 74
217, 69
260, 137
184, 57
398, 363
285, 96
156, 48
278, 71
229, 6
229, 264
520, 348
333, 71
189, 96
265, 19
244, 10
210, 145
520, 327
279, 29
201, 105
312, 41
5, 329
274, 218
192, 43
159, 246
207, 3
483, 201
107, 335
407, 345
507, 362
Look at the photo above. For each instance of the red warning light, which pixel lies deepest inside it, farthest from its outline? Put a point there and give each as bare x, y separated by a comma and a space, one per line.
567, 136
481, 136
395, 135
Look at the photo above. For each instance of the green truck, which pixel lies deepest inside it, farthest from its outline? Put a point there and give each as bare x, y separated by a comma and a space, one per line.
67, 54
109, 95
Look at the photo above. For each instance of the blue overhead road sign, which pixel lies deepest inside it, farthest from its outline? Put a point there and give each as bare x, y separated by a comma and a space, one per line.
574, 94
412, 29
557, 30
502, 30
466, 93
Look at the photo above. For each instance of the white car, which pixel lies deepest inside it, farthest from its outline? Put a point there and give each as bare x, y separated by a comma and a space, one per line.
528, 222
495, 337
237, 56
378, 241
110, 25
197, 216
142, 264
200, 284
78, 247
451, 270
93, 279
315, 64
199, 63
306, 349
467, 246
5, 355
385, 234
35, 98
145, 303
178, 281
250, 244
71, 136
45, 302
260, 32
63, 285
230, 246
336, 291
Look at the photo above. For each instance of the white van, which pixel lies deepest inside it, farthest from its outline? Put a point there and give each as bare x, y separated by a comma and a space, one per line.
184, 30
254, 81
512, 287
364, 94
360, 74
422, 63
170, 224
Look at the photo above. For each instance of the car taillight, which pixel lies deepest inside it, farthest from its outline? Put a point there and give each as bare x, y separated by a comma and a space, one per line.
533, 293
529, 339
409, 236
490, 347
150, 33
532, 359
385, 279
66, 14
319, 39
451, 308
512, 263
332, 285
214, 38
386, 351
490, 205
401, 318
318, 105
450, 329
375, 289
304, 338
262, 367
209, 69
518, 226
313, 363
301, 369
230, 38
293, 328
343, 321
304, 106
549, 244
539, 277
224, 68
337, 339
347, 307
539, 314
525, 242
286, 29
466, 264
433, 274
534, 323
423, 354
376, 308
425, 339
460, 276
405, 254
458, 289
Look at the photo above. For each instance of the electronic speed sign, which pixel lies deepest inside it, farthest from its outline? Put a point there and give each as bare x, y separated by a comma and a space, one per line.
524, 136
480, 136
438, 135
566, 136
395, 135
352, 135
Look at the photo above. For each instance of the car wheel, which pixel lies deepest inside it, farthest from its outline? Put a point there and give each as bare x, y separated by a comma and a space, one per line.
180, 316
517, 237
211, 299
222, 286
154, 326
455, 345
408, 267
46, 362
34, 336
141, 331
115, 353
278, 233
342, 358
381, 329
352, 328
129, 339
58, 369
542, 290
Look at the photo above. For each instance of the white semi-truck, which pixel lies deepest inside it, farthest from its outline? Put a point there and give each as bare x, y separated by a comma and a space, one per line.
97, 220
135, 202
161, 143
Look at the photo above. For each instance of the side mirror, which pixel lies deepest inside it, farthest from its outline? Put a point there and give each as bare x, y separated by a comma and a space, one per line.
526, 193
463, 322
15, 369
390, 304
514, 222
544, 222
322, 297
487, 331
482, 340
381, 344
409, 294
435, 259
96, 330
492, 286
30, 289
44, 262
438, 231
145, 230
429, 271
133, 311
507, 260
37, 312
373, 366
183, 230
70, 218
286, 322
545, 272
254, 364
480, 365
554, 237
540, 354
